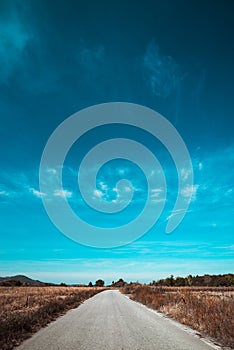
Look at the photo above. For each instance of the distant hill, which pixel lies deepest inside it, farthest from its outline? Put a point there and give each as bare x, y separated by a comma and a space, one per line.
19, 280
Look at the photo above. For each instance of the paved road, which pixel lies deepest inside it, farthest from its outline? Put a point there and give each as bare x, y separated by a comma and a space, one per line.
111, 321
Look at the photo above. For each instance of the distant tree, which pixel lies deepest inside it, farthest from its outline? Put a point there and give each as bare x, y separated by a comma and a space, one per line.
169, 281
172, 281
207, 280
62, 284
189, 280
18, 283
11, 283
99, 283
179, 282
90, 284
225, 280
120, 283
230, 279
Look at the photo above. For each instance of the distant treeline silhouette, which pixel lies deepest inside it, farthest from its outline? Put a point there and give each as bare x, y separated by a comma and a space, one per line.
225, 280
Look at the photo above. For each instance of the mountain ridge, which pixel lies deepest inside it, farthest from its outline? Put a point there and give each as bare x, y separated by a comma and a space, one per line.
21, 280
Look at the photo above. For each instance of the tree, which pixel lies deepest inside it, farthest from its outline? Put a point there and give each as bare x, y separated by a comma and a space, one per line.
207, 280
179, 282
120, 283
90, 284
99, 283
172, 281
189, 279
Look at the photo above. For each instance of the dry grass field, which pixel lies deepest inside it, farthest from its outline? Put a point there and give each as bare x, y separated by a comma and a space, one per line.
207, 310
24, 310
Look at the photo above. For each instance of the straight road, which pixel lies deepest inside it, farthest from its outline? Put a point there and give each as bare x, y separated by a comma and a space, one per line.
111, 321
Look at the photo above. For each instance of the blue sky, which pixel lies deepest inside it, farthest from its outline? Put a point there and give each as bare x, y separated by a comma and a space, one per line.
174, 57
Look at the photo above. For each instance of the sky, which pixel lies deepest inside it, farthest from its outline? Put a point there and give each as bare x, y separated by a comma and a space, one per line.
175, 57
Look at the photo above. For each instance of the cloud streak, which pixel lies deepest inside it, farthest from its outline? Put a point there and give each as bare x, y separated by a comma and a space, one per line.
84, 270
211, 207
14, 39
37, 193
161, 71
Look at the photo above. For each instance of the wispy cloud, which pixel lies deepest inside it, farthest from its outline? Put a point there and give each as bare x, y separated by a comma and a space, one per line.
190, 191
103, 186
161, 70
175, 212
156, 192
98, 193
200, 165
91, 58
14, 39
37, 193
185, 173
84, 270
4, 193
52, 171
63, 193
212, 191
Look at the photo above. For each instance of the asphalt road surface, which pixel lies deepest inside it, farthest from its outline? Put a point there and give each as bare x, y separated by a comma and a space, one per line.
111, 321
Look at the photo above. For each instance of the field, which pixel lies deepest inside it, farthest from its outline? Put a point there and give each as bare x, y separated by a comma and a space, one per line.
207, 310
24, 310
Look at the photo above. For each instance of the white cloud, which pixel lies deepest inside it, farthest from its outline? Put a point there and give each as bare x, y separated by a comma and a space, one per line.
37, 193
63, 193
155, 193
174, 213
159, 200
103, 186
190, 191
185, 173
200, 166
127, 189
4, 193
98, 193
52, 171
121, 171
230, 191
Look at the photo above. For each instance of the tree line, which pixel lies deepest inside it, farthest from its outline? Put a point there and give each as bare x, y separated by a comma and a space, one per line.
225, 280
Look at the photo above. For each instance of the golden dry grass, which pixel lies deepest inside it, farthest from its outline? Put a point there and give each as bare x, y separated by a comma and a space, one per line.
208, 310
24, 310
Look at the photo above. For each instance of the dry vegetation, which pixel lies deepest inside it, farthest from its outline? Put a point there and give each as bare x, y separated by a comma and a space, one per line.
24, 310
208, 310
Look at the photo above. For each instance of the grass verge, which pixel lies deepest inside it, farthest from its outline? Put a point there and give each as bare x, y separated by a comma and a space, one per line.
24, 310
208, 310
